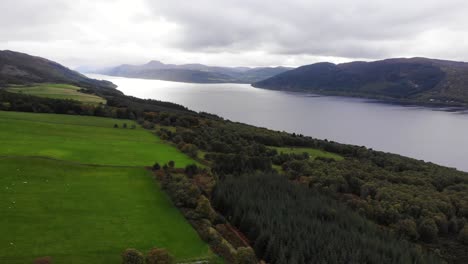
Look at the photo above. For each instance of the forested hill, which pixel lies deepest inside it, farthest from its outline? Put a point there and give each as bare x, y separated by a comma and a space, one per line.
414, 80
21, 68
194, 73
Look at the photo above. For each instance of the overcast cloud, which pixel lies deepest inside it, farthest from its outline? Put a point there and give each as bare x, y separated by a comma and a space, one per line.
233, 33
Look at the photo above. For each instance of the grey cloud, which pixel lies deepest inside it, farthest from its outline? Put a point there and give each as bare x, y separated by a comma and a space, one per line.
333, 28
233, 32
32, 20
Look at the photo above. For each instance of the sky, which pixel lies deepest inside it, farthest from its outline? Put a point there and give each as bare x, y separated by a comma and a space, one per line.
101, 33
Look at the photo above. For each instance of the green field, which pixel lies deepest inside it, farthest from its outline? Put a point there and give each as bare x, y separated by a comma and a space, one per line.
314, 153
90, 140
86, 214
75, 188
57, 91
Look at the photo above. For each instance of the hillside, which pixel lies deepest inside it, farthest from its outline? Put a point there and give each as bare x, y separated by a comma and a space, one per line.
414, 80
21, 68
194, 73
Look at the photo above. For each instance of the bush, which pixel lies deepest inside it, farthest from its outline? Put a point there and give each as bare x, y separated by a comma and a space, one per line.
156, 166
158, 256
428, 230
189, 149
408, 228
246, 255
204, 209
132, 256
226, 250
171, 164
463, 236
191, 170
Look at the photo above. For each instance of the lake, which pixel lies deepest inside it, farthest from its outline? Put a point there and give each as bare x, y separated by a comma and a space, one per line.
423, 133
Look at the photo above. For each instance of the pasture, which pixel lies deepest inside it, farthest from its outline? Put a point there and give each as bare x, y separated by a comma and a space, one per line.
84, 139
86, 214
75, 188
57, 91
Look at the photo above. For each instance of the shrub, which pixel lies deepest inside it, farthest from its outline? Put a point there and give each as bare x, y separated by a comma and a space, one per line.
428, 230
204, 209
191, 170
156, 166
171, 164
158, 256
226, 250
132, 256
246, 255
463, 236
408, 228
189, 149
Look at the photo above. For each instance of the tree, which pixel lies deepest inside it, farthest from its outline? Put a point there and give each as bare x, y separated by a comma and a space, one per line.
463, 236
171, 164
204, 209
132, 256
189, 149
428, 230
246, 255
408, 228
158, 256
191, 170
156, 166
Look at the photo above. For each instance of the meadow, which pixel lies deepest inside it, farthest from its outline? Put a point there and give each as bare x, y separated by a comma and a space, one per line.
75, 188
86, 214
57, 91
313, 153
84, 139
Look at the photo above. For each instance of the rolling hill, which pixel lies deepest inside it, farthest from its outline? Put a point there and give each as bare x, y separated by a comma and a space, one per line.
194, 73
23, 69
413, 80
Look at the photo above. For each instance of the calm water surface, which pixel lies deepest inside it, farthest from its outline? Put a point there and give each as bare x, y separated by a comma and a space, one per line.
437, 136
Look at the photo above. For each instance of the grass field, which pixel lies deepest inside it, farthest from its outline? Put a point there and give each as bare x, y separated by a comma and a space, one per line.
84, 214
57, 91
83, 139
75, 188
314, 153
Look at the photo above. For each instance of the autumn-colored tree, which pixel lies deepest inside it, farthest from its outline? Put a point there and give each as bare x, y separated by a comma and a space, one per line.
158, 256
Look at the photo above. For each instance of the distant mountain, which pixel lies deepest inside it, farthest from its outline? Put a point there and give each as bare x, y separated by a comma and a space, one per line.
413, 80
194, 73
21, 68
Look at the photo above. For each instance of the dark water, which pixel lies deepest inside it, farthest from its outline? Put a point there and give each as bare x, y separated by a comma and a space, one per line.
431, 135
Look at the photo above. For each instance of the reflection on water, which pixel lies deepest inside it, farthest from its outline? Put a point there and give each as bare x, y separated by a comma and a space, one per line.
422, 133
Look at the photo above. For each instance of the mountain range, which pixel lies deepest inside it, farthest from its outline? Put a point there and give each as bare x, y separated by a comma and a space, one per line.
403, 80
419, 81
193, 73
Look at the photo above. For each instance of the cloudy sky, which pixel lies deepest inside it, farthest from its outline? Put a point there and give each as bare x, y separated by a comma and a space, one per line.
233, 33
